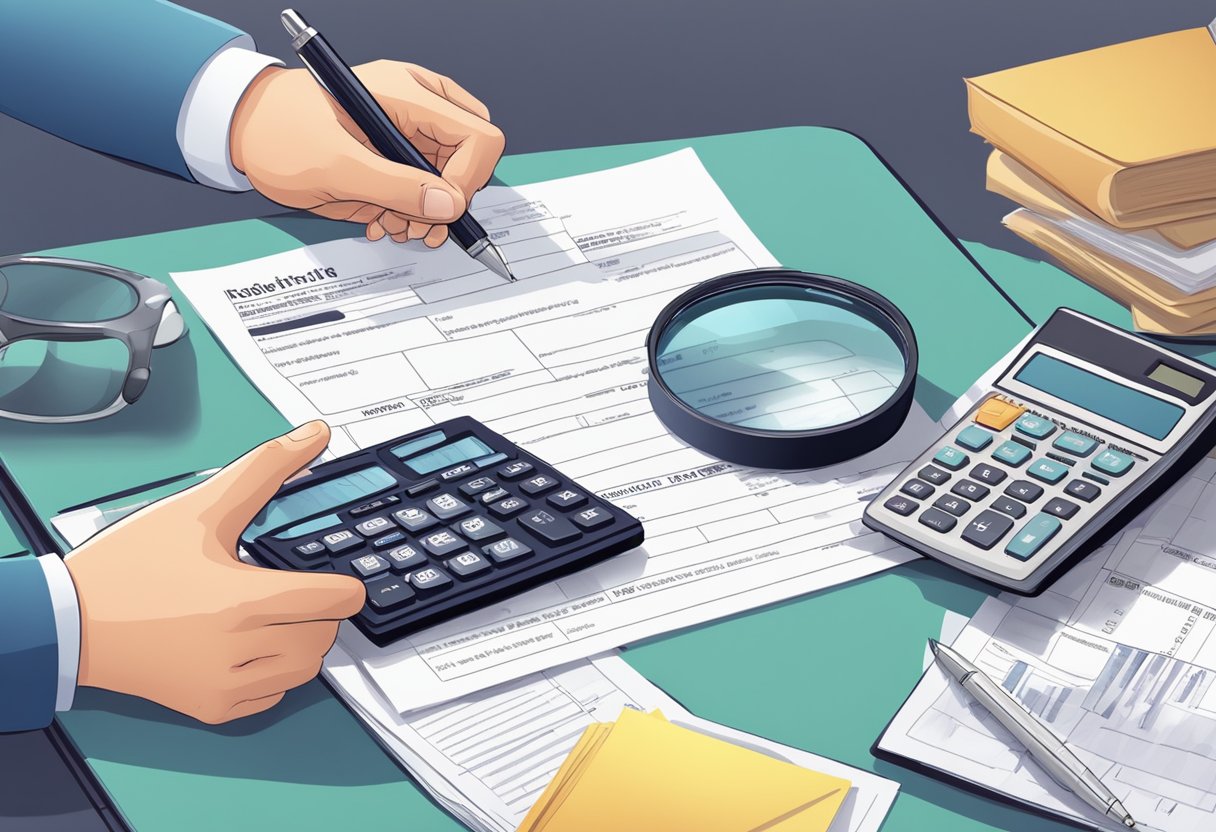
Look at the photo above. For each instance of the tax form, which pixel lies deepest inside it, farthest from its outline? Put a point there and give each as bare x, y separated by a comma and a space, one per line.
1118, 658
380, 339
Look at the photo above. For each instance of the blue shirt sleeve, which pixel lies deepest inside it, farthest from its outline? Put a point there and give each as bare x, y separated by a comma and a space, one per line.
29, 654
109, 75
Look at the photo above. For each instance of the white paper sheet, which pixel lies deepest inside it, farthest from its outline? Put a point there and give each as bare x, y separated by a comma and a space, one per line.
486, 758
1118, 658
381, 339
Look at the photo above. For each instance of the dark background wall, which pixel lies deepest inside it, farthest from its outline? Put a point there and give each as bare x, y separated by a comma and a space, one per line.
571, 73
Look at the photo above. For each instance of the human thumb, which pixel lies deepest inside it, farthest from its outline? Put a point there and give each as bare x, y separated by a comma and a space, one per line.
364, 176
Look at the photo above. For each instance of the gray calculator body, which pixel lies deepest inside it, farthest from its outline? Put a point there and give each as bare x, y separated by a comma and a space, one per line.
1084, 428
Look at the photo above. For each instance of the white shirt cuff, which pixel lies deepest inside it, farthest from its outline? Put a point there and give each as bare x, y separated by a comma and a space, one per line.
205, 119
67, 627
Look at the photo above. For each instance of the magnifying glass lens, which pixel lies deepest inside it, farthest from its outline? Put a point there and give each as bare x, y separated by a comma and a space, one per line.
779, 359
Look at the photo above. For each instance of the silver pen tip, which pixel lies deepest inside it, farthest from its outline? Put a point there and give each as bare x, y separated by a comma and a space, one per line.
933, 645
492, 260
292, 22
1129, 823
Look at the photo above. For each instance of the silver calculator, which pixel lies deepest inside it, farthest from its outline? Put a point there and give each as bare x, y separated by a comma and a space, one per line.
1084, 428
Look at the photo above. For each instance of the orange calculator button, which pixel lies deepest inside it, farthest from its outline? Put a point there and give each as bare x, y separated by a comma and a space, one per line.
998, 414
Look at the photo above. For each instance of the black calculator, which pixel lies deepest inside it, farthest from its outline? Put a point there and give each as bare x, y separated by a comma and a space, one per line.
438, 523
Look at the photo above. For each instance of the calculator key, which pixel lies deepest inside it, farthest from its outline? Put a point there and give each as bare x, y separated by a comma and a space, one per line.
550, 528
430, 578
951, 458
459, 471
369, 565
988, 474
443, 543
1059, 507
391, 539
1025, 491
538, 484
478, 528
1113, 462
591, 518
970, 490
515, 470
1075, 443
468, 565
934, 475
505, 550
494, 495
476, 486
374, 505
973, 438
997, 414
1007, 506
566, 498
404, 558
954, 505
508, 507
1035, 426
373, 527
388, 593
414, 519
1031, 537
445, 506
1047, 470
1082, 490
987, 528
421, 488
902, 506
918, 489
1011, 453
937, 520
341, 541
310, 550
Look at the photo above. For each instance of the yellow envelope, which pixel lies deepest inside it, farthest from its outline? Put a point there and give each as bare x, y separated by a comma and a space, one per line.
646, 775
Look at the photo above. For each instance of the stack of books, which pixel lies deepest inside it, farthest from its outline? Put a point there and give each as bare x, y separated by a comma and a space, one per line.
1112, 155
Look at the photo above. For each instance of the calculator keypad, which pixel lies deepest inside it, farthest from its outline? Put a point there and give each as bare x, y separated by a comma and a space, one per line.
498, 525
1022, 460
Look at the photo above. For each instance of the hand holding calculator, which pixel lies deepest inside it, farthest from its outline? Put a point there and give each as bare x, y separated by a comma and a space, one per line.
1083, 429
437, 523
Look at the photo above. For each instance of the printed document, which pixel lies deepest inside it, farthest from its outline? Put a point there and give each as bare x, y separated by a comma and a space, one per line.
380, 339
486, 758
1118, 658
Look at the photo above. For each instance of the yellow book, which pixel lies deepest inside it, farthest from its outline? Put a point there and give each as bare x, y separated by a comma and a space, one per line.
1013, 180
644, 774
1156, 306
1127, 130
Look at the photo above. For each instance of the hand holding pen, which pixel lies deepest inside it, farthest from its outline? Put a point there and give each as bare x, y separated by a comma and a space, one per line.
298, 147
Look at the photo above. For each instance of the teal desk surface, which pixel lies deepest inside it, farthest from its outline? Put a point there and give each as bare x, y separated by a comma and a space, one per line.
824, 672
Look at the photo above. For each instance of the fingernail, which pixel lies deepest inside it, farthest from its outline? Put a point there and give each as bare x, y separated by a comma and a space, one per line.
309, 430
437, 204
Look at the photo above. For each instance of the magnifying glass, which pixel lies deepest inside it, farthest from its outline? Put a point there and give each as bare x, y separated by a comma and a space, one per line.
776, 368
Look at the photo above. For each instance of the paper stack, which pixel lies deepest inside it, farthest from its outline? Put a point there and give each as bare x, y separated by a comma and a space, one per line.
645, 774
1112, 154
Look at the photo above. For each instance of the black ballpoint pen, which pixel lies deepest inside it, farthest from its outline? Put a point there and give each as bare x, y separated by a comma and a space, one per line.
334, 75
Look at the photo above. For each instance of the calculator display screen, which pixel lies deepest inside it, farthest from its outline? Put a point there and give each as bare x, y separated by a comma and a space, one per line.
1109, 399
319, 498
451, 454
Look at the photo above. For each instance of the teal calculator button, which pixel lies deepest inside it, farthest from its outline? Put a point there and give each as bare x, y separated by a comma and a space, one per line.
951, 458
974, 438
1075, 443
1031, 538
1035, 426
1012, 453
1047, 470
1113, 462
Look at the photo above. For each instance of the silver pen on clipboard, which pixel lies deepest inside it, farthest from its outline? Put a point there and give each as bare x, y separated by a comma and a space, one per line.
1056, 758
